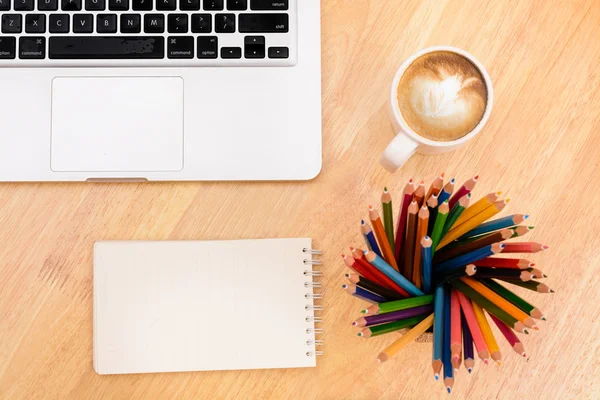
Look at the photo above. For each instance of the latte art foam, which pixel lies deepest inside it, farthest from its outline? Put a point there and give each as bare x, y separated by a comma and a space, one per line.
442, 96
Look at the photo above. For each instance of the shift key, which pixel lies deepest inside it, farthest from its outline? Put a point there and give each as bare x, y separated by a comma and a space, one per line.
264, 23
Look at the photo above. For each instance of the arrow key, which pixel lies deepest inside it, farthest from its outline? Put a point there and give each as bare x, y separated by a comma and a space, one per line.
254, 47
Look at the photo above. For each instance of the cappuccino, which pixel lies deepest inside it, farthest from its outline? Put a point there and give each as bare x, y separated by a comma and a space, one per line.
442, 96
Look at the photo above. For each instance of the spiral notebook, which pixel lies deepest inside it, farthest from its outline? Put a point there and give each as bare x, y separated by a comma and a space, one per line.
170, 306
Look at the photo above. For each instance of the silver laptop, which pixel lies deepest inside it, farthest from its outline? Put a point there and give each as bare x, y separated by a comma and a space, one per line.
160, 90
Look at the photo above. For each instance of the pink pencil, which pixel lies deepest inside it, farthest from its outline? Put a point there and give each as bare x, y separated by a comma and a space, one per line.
455, 329
510, 336
409, 189
464, 190
524, 247
467, 308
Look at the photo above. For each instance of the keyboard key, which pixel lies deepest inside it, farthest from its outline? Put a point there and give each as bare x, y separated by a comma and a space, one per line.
189, 5
201, 23
59, 23
142, 5
11, 23
118, 5
154, 23
254, 47
279, 52
106, 23
131, 23
7, 47
225, 23
231, 52
95, 5
207, 46
4, 6
267, 5
47, 5
166, 5
83, 23
213, 5
23, 5
180, 47
32, 48
264, 23
106, 47
70, 5
178, 23
237, 5
35, 23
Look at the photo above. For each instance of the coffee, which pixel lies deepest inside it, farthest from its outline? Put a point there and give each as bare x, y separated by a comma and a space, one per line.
442, 96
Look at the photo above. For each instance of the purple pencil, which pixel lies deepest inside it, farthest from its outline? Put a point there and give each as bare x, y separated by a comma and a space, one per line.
468, 354
393, 316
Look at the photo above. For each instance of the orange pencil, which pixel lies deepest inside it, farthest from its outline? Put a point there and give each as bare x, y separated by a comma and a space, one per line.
436, 186
469, 313
382, 238
422, 224
409, 243
455, 329
419, 195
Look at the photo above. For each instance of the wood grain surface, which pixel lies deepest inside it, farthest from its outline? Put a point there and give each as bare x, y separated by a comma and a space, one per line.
541, 147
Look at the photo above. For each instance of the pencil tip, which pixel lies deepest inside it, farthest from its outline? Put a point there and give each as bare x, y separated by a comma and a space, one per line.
359, 334
486, 361
525, 331
385, 189
456, 358
370, 207
410, 180
436, 377
354, 323
362, 222
537, 328
476, 177
363, 311
499, 363
443, 174
449, 390
544, 275
524, 355
525, 216
544, 247
551, 290
469, 370
344, 286
452, 180
347, 275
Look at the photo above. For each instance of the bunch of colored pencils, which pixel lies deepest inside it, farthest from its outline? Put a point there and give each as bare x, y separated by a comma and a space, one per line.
442, 267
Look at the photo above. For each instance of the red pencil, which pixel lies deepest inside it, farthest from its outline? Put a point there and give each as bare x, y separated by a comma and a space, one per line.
524, 247
464, 190
455, 329
498, 262
409, 189
510, 336
478, 340
382, 278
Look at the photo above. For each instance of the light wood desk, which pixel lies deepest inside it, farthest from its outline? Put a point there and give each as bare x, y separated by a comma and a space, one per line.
542, 147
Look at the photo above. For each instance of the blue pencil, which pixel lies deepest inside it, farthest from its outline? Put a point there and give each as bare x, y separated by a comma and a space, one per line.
446, 353
495, 225
468, 353
446, 191
426, 260
394, 275
438, 329
370, 240
364, 294
469, 258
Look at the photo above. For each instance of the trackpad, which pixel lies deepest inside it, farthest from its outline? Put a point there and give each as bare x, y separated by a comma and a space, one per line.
117, 124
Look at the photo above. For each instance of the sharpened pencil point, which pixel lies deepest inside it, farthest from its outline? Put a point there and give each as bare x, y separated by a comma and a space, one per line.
449, 390
476, 177
525, 216
410, 180
524, 355
543, 318
443, 174
551, 290
452, 180
499, 363
486, 361
354, 323
545, 247
364, 311
359, 334
436, 377
544, 275
469, 370
362, 222
370, 207
385, 189
344, 286
537, 328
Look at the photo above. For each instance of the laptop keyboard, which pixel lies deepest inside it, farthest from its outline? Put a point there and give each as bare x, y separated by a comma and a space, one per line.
49, 33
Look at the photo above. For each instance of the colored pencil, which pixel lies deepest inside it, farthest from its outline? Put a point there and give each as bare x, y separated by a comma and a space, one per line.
432, 204
409, 243
510, 336
488, 336
498, 262
370, 237
528, 308
384, 245
436, 187
438, 331
363, 294
495, 225
536, 273
467, 270
373, 287
394, 275
409, 189
478, 340
446, 191
426, 257
383, 308
388, 219
478, 207
459, 231
455, 328
438, 226
422, 224
521, 230
393, 316
489, 306
446, 351
517, 274
449, 252
405, 339
531, 285
419, 195
469, 258
524, 247
366, 269
455, 213
501, 302
390, 327
463, 190
469, 359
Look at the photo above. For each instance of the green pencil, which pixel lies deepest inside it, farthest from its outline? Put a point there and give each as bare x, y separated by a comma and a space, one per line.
391, 326
529, 309
388, 218
456, 211
390, 306
438, 226
531, 285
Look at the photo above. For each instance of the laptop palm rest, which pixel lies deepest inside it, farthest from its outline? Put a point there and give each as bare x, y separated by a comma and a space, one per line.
117, 124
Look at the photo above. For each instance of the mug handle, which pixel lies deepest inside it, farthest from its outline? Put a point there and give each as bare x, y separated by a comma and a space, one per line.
400, 149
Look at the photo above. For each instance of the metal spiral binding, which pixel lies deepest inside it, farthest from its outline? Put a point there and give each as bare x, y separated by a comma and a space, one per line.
314, 296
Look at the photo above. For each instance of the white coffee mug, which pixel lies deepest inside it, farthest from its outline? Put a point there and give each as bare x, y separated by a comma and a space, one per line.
407, 142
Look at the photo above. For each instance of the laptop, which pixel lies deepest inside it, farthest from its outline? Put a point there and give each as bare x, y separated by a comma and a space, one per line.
160, 90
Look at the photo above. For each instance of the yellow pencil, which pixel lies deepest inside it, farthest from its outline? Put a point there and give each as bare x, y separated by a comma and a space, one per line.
488, 336
479, 206
405, 339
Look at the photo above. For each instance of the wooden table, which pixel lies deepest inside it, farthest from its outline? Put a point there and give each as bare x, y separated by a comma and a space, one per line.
541, 146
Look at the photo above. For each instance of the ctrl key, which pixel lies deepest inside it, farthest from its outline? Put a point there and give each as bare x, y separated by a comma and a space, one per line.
8, 46
32, 48
208, 46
